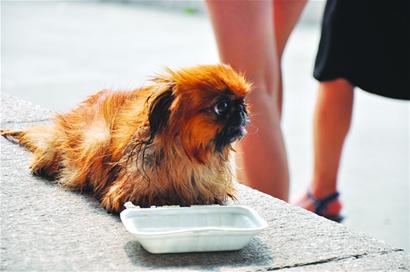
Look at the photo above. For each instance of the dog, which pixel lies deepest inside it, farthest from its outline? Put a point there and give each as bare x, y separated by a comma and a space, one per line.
167, 143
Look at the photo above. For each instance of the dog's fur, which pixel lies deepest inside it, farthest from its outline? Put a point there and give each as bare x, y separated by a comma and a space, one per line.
162, 144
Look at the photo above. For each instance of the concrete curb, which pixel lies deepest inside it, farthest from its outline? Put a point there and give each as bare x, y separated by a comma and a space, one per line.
45, 227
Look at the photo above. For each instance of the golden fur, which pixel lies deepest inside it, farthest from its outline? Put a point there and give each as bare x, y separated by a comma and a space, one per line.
117, 145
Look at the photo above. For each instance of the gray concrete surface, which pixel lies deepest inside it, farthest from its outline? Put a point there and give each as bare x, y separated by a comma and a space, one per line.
56, 53
47, 228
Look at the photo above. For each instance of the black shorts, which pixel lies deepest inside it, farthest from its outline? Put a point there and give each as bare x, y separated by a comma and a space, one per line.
367, 42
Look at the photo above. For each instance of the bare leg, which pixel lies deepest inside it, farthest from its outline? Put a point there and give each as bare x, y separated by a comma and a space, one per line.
246, 40
285, 16
331, 124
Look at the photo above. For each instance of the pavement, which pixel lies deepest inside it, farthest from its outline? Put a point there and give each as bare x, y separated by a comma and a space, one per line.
45, 227
54, 54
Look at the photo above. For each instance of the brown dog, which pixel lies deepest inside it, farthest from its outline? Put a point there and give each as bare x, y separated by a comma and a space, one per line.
164, 144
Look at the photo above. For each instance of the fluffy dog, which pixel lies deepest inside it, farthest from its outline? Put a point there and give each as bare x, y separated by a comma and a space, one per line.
164, 144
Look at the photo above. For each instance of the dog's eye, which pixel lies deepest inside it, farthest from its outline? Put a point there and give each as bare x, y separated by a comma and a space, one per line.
222, 107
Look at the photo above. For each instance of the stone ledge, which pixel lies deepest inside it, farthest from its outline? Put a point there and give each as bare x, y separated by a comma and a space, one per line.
14, 110
45, 227
384, 261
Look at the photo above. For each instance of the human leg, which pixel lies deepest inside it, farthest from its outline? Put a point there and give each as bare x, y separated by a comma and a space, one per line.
246, 40
285, 16
332, 119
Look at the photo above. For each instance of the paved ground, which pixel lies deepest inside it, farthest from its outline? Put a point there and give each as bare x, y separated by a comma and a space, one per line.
56, 53
47, 228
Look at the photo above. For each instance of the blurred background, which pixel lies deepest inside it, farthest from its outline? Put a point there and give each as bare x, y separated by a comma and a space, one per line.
55, 53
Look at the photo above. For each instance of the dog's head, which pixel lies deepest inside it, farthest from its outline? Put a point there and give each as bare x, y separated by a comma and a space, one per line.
203, 108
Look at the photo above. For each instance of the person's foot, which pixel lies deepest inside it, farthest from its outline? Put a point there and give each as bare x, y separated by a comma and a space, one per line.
328, 206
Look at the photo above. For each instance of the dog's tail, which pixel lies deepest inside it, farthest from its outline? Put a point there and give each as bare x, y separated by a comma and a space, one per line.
29, 138
41, 141
13, 136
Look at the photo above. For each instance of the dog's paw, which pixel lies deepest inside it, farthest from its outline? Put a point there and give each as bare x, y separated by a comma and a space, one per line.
114, 200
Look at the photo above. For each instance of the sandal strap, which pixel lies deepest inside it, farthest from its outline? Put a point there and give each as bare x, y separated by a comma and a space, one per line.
321, 203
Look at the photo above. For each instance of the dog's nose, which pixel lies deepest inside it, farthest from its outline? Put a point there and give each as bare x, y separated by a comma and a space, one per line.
244, 118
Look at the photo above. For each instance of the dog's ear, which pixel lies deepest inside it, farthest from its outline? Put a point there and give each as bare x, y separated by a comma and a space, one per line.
159, 111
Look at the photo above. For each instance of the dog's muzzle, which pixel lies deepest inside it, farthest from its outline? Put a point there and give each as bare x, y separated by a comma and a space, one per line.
234, 130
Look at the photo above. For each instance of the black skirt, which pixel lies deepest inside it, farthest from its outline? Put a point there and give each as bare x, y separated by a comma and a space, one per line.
367, 42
